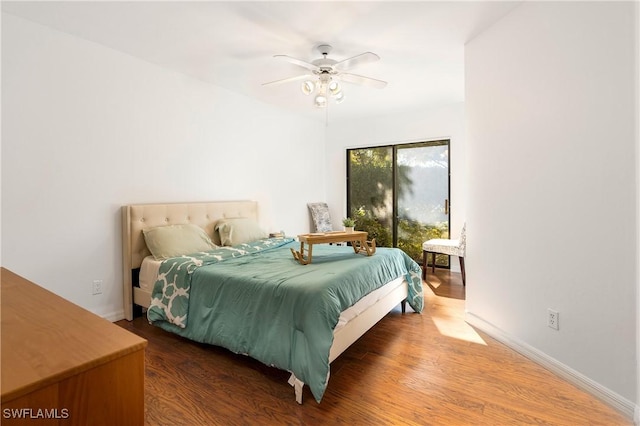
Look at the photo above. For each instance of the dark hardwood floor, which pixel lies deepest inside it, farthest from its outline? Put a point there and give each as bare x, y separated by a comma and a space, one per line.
411, 369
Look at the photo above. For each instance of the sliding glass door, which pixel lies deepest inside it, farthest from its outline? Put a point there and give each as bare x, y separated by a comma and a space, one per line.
370, 182
400, 194
422, 196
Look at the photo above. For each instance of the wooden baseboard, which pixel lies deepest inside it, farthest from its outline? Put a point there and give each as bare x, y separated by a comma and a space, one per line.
614, 400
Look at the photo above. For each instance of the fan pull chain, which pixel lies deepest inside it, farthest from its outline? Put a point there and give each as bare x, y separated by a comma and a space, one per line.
326, 114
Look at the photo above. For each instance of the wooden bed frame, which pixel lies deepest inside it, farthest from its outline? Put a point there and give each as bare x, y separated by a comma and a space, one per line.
137, 217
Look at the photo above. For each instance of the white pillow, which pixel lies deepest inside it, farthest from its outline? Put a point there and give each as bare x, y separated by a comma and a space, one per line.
176, 240
239, 230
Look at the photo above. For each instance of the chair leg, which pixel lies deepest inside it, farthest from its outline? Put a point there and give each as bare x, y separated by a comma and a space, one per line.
464, 275
424, 265
433, 263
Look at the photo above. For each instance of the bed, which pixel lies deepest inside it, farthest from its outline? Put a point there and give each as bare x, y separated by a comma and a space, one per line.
263, 282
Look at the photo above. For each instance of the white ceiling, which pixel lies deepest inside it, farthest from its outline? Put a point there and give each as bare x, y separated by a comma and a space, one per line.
231, 44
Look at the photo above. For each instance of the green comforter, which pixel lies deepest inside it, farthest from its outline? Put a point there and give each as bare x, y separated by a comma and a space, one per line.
255, 299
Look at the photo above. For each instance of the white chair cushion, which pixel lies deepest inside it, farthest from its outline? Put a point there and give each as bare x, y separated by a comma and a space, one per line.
450, 247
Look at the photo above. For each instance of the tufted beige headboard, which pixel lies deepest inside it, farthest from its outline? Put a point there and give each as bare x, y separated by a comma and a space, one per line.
137, 217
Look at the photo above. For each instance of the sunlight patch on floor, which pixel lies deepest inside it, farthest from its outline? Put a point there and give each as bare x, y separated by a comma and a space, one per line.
445, 307
435, 284
457, 329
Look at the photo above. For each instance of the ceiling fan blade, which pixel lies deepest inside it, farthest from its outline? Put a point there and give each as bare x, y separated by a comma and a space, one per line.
362, 58
365, 81
287, 80
298, 62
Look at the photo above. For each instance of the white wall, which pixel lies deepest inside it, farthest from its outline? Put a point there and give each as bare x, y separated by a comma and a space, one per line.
550, 92
87, 129
637, 104
434, 124
637, 91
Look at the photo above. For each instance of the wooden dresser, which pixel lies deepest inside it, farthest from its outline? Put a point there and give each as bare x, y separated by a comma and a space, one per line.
63, 365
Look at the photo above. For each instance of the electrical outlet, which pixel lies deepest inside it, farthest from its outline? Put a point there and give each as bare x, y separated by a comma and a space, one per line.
97, 287
553, 319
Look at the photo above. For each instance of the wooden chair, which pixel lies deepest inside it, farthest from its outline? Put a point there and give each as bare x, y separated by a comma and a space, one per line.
442, 246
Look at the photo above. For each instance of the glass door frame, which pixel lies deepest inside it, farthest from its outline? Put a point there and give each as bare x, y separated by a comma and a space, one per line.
394, 157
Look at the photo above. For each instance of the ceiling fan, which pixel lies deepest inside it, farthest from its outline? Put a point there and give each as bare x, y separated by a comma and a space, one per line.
323, 74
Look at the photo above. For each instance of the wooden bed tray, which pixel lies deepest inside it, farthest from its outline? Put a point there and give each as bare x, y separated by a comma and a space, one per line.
137, 217
358, 240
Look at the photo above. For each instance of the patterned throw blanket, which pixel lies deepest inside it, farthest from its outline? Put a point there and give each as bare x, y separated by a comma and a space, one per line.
170, 296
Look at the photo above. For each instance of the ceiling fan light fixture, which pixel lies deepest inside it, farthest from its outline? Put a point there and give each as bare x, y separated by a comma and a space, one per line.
334, 88
320, 101
308, 87
339, 97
